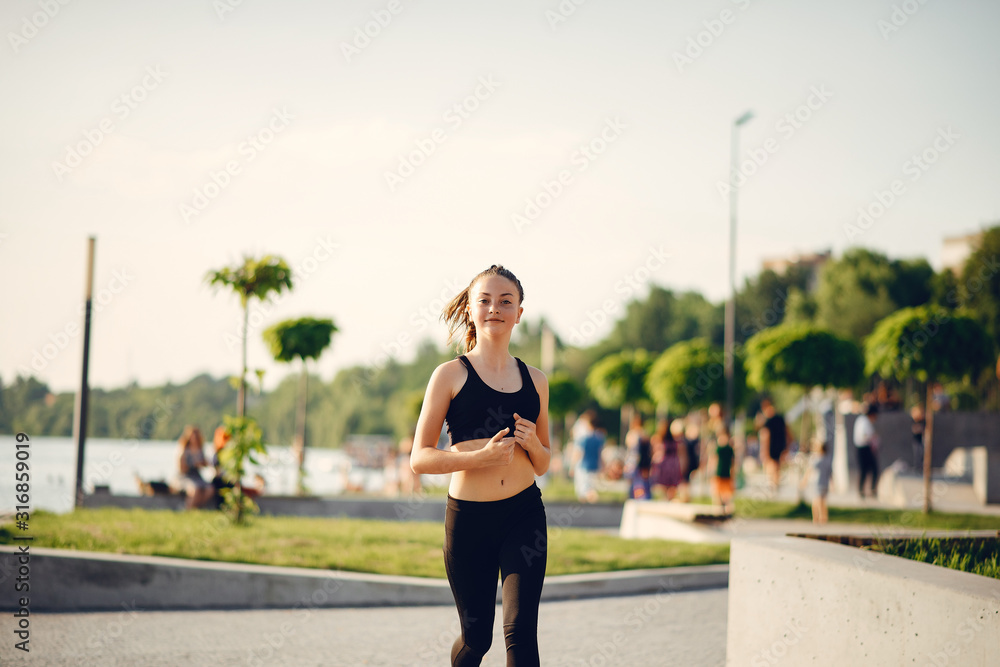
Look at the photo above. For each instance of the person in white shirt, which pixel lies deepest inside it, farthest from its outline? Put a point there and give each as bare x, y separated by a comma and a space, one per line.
866, 443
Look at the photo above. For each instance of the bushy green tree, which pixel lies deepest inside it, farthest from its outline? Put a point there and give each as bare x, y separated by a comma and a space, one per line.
691, 375
619, 381
304, 338
929, 344
803, 355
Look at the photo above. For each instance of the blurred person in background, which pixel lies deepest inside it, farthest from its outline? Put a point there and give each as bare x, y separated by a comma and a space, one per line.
668, 461
587, 453
190, 461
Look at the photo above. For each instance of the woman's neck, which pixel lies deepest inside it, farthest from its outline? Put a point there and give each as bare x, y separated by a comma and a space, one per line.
493, 355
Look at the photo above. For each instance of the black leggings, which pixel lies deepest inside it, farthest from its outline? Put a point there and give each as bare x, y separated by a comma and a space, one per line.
481, 539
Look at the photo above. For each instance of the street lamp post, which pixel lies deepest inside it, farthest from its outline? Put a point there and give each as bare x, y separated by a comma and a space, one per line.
730, 331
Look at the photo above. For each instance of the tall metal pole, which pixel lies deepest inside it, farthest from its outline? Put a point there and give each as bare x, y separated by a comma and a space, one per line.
82, 398
730, 324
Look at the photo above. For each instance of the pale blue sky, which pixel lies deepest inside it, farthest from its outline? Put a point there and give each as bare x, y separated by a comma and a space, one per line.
883, 97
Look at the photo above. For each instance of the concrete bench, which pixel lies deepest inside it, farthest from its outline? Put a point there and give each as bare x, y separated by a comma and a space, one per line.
668, 520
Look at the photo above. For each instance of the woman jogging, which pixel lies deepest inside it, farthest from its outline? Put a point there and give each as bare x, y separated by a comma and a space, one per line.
496, 409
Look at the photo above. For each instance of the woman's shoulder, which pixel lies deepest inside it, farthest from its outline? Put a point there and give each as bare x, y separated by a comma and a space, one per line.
449, 373
536, 375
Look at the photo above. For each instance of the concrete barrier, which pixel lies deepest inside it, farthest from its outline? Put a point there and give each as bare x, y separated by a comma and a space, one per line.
63, 580
799, 601
986, 475
666, 520
563, 514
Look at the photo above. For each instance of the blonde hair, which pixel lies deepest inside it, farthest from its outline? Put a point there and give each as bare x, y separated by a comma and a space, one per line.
456, 314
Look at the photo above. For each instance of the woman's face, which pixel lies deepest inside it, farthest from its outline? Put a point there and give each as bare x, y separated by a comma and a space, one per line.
493, 305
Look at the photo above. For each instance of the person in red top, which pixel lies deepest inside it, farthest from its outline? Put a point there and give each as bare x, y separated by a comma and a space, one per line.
496, 409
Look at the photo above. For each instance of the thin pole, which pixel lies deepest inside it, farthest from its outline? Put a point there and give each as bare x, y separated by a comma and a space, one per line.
730, 321
730, 324
82, 398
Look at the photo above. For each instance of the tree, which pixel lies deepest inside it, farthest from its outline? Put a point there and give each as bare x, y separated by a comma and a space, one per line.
304, 338
618, 380
803, 355
764, 299
980, 283
659, 321
690, 375
807, 356
253, 279
931, 344
856, 291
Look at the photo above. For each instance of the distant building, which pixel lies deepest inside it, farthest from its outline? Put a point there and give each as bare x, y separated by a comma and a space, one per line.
813, 261
956, 249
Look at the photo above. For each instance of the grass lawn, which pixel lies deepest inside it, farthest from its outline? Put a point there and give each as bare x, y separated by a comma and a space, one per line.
750, 508
361, 545
982, 558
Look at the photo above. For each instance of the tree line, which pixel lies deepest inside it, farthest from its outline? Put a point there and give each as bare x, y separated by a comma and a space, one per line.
850, 296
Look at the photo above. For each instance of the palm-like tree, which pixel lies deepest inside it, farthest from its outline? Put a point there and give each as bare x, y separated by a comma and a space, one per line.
305, 338
253, 279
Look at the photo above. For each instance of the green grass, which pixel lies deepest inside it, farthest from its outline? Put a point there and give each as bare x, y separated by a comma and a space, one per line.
981, 557
361, 545
750, 508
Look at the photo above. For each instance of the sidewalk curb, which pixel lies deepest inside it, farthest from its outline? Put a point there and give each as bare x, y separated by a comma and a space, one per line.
66, 580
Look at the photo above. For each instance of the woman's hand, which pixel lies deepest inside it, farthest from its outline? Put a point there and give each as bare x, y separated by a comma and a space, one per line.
500, 449
524, 433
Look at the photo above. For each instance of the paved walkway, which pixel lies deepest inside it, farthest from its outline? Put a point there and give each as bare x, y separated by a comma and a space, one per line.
687, 628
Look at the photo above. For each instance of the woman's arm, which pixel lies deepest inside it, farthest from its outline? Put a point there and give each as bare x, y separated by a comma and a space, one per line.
426, 458
534, 438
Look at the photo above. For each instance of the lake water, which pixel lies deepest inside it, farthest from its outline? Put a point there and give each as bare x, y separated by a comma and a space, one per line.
116, 463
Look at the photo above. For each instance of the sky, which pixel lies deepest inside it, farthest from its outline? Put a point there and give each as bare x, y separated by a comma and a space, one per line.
391, 150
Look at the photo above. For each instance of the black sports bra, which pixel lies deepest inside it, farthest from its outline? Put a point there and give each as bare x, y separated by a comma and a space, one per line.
479, 411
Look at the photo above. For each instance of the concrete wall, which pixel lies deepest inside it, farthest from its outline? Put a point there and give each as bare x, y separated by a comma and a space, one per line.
63, 580
986, 474
796, 601
951, 430
562, 514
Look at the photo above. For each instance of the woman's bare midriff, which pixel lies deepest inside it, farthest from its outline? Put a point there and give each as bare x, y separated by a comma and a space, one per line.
492, 483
